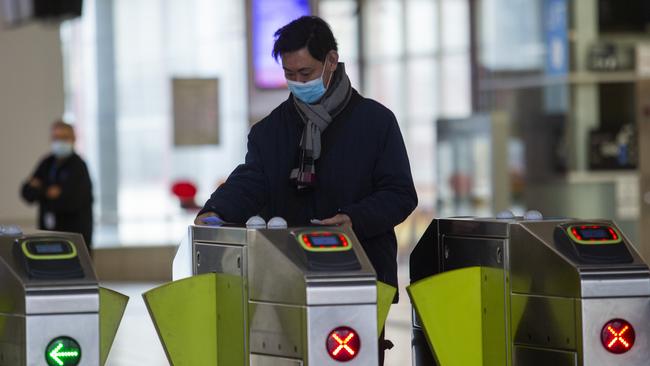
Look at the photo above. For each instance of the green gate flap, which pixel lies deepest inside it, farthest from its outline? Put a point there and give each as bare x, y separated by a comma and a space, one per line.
111, 309
449, 307
200, 319
185, 316
463, 315
385, 296
231, 332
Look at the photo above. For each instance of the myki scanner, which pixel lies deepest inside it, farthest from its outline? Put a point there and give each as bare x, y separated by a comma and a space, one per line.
53, 258
592, 243
326, 251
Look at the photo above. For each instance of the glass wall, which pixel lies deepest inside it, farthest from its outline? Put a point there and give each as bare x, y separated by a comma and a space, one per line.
565, 77
416, 62
151, 42
121, 56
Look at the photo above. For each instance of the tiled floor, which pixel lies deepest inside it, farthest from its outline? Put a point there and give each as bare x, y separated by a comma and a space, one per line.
137, 344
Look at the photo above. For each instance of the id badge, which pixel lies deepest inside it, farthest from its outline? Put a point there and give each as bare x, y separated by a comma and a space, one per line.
49, 220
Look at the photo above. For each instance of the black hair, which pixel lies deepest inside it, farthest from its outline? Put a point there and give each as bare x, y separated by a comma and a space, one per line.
307, 31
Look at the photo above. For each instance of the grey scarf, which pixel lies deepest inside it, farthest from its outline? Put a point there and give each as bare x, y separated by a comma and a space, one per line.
316, 118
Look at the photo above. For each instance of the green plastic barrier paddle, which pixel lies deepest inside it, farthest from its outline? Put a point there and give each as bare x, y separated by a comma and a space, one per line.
230, 320
385, 296
200, 319
184, 314
462, 313
111, 309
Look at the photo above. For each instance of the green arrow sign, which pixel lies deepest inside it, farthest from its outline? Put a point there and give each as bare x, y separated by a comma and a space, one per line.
63, 351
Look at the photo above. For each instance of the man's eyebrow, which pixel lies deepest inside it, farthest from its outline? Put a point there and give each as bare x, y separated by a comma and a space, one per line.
308, 69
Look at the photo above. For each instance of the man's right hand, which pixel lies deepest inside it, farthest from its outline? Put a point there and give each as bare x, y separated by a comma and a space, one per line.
199, 219
35, 183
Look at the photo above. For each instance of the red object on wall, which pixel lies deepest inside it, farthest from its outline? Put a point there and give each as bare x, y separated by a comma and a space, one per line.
186, 192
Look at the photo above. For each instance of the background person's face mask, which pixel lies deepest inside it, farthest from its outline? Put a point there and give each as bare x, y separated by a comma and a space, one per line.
310, 91
61, 148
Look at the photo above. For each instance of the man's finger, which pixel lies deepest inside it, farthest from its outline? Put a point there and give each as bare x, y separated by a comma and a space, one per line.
332, 221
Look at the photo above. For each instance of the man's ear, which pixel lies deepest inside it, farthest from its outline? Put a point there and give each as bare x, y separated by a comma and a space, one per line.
333, 59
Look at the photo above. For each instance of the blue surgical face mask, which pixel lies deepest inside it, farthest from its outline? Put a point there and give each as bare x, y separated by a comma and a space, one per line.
61, 148
310, 91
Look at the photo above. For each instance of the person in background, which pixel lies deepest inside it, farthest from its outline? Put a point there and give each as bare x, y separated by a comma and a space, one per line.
62, 187
325, 155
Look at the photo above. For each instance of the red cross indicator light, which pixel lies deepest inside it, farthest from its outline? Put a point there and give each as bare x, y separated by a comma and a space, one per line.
343, 344
617, 336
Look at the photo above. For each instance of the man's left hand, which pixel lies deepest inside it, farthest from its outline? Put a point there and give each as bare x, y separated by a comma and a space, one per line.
338, 219
53, 192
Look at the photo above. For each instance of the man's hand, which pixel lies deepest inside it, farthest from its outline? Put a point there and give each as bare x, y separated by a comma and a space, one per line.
199, 219
35, 183
338, 219
53, 192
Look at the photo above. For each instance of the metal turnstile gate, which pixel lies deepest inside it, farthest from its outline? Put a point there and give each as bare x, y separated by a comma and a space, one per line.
296, 296
529, 292
52, 310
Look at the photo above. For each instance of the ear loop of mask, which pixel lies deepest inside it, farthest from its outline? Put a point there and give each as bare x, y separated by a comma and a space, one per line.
331, 75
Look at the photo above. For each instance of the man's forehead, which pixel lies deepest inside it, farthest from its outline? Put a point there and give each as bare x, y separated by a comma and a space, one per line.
62, 131
296, 60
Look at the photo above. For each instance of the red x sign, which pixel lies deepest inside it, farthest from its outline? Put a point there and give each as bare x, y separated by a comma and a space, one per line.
343, 344
617, 336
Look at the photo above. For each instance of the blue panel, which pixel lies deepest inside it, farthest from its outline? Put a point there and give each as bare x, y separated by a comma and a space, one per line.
267, 17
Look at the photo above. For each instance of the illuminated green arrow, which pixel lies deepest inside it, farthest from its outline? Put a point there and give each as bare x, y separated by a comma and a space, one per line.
56, 355
63, 351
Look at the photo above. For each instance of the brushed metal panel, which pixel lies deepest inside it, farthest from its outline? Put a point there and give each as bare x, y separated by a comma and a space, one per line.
621, 283
265, 360
12, 300
321, 320
273, 274
62, 302
219, 258
219, 234
41, 329
459, 252
526, 356
544, 322
12, 340
597, 312
530, 260
481, 227
277, 329
348, 292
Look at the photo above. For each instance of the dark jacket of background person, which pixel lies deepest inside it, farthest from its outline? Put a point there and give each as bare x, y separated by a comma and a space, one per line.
73, 208
363, 171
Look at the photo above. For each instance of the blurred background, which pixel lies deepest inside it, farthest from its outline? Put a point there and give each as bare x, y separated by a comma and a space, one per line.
503, 104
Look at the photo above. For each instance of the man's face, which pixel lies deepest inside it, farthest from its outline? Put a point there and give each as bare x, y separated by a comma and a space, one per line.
62, 134
300, 66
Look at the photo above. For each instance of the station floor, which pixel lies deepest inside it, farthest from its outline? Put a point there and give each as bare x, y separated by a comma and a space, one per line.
137, 344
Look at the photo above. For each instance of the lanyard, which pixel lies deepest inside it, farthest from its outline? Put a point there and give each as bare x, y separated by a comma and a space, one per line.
52, 175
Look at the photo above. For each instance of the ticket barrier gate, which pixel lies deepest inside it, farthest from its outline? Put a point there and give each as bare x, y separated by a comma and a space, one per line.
52, 310
520, 292
266, 297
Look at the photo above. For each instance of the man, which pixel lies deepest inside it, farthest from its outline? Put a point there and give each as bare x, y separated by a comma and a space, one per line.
61, 185
325, 153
